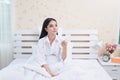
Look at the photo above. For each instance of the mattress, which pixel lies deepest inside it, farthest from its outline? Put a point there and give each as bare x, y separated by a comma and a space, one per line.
90, 70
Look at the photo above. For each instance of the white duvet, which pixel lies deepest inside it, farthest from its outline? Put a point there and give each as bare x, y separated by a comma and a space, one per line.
77, 70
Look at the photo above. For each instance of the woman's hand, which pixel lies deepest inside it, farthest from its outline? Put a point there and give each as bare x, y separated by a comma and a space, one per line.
53, 74
64, 51
64, 44
48, 70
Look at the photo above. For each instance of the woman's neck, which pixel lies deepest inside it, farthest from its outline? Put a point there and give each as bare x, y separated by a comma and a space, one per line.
51, 38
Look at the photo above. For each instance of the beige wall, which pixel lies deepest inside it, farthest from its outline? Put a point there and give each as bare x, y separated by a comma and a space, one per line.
101, 15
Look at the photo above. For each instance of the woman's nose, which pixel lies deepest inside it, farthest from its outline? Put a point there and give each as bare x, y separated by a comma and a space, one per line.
55, 27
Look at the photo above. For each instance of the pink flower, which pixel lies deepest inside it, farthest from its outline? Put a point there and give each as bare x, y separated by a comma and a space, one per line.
110, 47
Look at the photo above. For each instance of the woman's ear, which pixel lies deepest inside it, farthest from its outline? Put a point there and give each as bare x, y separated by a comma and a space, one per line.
46, 29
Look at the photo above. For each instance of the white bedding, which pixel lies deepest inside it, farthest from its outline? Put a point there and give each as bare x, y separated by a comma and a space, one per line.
89, 70
14, 71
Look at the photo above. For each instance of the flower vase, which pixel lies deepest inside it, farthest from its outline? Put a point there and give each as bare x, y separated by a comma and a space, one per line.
111, 55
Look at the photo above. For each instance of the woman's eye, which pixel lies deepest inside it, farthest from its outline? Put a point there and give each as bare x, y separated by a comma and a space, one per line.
51, 25
56, 25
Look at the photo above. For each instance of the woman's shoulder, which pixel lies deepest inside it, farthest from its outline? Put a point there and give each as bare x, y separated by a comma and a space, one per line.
42, 40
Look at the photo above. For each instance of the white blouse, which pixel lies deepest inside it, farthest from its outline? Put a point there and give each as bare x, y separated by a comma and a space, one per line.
50, 54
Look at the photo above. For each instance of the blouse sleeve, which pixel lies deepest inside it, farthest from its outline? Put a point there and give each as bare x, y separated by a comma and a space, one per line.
40, 57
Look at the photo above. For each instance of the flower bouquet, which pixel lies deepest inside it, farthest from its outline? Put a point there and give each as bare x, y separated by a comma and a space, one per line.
110, 48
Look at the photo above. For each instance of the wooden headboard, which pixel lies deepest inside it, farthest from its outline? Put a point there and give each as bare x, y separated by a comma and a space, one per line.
81, 42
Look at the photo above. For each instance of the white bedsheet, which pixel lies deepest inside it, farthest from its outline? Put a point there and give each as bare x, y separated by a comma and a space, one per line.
14, 71
89, 70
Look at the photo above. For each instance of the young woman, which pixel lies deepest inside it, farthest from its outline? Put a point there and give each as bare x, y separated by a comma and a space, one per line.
52, 53
52, 48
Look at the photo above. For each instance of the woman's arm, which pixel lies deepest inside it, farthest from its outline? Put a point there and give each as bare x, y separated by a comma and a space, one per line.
48, 70
64, 52
42, 59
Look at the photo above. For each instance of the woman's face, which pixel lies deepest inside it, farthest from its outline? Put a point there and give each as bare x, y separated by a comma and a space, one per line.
52, 28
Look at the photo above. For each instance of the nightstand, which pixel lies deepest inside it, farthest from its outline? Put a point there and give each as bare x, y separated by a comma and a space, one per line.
113, 69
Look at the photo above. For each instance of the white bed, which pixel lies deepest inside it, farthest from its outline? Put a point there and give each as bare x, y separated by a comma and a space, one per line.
89, 69
84, 57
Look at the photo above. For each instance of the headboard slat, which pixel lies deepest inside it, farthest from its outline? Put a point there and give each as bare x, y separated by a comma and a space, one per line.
23, 50
79, 50
83, 38
82, 44
25, 44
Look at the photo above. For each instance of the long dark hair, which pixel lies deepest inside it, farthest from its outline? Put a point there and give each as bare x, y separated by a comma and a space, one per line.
45, 24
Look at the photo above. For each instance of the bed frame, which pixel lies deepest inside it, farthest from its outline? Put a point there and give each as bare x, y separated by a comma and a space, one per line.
81, 42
